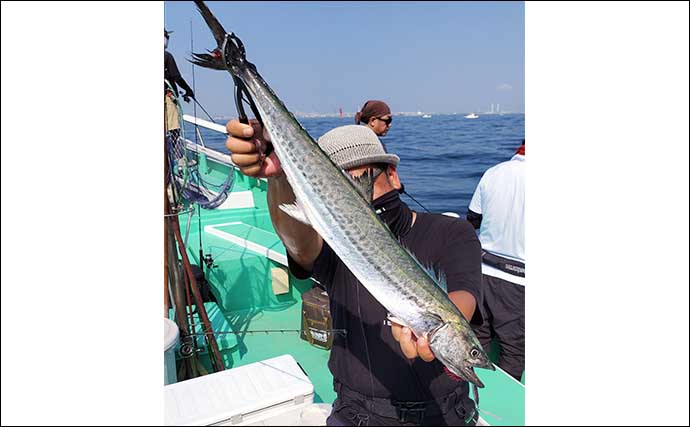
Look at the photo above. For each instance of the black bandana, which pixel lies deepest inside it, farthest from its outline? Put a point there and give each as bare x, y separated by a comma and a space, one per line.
396, 214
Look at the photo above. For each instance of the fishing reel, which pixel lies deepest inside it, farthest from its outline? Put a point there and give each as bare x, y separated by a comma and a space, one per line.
208, 260
187, 350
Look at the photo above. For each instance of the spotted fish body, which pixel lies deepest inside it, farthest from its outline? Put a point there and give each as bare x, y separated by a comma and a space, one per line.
336, 209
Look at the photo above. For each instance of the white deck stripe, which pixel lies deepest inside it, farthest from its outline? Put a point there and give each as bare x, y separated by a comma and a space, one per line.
255, 247
204, 123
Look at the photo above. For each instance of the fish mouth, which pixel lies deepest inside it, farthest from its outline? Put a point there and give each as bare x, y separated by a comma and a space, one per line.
470, 376
466, 373
487, 364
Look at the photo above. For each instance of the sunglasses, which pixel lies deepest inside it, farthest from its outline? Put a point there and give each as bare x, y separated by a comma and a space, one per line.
386, 121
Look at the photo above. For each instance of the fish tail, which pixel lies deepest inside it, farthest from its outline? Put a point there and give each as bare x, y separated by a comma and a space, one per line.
212, 60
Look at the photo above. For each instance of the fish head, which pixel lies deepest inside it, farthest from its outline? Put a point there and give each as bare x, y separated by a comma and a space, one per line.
456, 346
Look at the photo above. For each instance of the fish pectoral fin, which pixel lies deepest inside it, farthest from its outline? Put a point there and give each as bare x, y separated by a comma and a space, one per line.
397, 321
295, 211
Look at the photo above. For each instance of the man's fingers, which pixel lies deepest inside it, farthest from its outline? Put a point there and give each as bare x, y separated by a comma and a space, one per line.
240, 146
251, 170
407, 345
411, 346
247, 143
272, 166
396, 330
424, 350
244, 160
235, 128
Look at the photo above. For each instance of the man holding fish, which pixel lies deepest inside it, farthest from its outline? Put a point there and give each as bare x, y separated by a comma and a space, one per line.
336, 207
383, 373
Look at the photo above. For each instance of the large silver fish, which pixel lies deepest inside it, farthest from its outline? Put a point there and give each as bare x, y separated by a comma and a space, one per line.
332, 204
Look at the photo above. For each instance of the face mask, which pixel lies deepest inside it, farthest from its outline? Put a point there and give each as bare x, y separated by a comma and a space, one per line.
393, 212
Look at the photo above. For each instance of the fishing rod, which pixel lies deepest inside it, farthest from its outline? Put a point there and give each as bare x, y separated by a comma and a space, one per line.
217, 360
196, 134
402, 191
200, 106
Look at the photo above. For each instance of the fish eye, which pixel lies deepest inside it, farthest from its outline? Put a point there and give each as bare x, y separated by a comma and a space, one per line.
474, 352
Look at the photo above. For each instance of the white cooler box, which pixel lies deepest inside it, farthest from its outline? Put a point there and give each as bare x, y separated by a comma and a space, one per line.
268, 393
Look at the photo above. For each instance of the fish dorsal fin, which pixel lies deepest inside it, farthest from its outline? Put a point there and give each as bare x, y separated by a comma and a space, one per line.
440, 278
438, 275
363, 184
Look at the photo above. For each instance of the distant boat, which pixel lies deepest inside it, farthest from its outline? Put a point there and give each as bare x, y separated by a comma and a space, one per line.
471, 116
426, 116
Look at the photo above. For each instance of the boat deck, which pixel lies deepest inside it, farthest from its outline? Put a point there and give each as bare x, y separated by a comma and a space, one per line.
236, 289
246, 252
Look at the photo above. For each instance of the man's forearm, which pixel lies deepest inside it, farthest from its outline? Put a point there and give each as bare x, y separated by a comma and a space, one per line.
465, 302
300, 240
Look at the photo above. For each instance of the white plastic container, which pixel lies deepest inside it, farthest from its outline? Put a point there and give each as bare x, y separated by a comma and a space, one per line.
170, 338
268, 393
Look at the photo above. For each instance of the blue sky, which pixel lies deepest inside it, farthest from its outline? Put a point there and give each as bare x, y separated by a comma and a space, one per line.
440, 57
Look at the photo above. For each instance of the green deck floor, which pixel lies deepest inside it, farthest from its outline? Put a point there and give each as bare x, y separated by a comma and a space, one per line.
241, 283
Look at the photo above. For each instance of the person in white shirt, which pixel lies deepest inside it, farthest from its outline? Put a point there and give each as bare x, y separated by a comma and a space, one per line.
497, 209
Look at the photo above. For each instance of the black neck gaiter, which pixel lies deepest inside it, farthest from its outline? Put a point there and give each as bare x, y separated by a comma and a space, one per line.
396, 214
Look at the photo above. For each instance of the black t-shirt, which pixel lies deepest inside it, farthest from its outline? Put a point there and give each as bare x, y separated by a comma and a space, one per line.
448, 245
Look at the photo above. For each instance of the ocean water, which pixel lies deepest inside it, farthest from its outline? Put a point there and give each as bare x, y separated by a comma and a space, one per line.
442, 158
